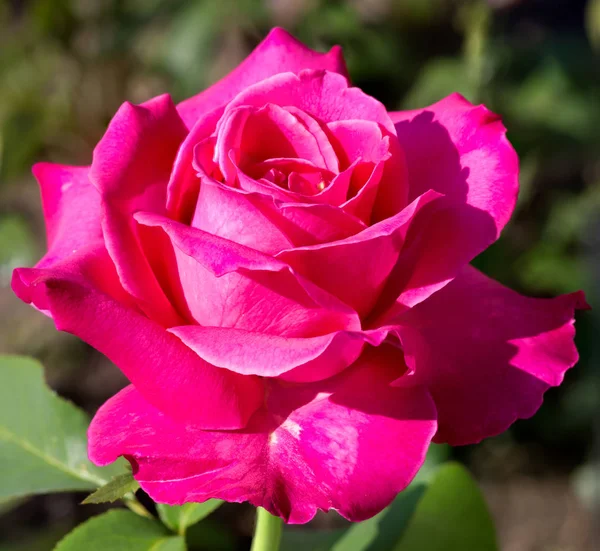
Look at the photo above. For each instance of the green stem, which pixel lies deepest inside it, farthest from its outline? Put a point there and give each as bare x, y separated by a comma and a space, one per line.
268, 531
132, 503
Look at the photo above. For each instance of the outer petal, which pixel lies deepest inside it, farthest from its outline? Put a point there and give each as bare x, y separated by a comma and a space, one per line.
89, 263
72, 212
229, 285
487, 353
71, 209
279, 52
131, 169
163, 369
444, 237
461, 151
350, 443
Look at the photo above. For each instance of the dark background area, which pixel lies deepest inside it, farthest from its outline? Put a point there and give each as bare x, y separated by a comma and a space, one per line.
66, 66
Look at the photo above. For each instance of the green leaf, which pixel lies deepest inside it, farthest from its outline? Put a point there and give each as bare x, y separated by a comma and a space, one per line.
117, 488
179, 517
451, 515
441, 510
42, 436
120, 530
379, 533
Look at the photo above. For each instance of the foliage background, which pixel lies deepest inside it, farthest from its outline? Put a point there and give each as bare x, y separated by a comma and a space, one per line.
65, 67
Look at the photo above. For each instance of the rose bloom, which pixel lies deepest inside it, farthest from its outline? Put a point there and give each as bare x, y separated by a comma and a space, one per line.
281, 269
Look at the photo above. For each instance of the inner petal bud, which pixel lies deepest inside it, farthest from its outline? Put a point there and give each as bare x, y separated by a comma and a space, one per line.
257, 135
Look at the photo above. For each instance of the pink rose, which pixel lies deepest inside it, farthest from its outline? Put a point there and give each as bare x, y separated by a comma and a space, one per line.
280, 267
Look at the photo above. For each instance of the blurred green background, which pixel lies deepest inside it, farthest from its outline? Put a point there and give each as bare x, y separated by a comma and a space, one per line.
66, 66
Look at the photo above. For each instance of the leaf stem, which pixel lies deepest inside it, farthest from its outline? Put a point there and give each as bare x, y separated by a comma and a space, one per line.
268, 531
132, 503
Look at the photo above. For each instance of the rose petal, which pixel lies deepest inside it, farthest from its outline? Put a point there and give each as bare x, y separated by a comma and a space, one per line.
461, 151
310, 224
255, 220
241, 217
444, 237
366, 177
90, 263
293, 358
278, 52
323, 95
302, 186
229, 285
184, 183
487, 353
265, 187
71, 210
358, 139
260, 134
356, 269
130, 169
72, 213
379, 196
325, 147
163, 369
392, 191
350, 443
307, 184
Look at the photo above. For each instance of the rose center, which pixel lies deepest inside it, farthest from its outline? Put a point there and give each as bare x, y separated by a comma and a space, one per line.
275, 145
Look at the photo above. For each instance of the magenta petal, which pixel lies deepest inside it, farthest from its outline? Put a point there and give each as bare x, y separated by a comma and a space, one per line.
350, 443
270, 190
461, 151
260, 134
279, 52
258, 221
361, 204
310, 224
131, 169
356, 269
228, 285
71, 210
313, 126
487, 353
293, 358
356, 139
246, 218
184, 183
387, 192
90, 263
302, 183
165, 371
323, 95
